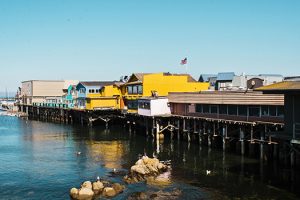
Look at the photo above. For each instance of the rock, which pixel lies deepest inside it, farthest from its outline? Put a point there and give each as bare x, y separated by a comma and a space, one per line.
74, 193
118, 187
87, 184
85, 194
144, 168
109, 192
98, 187
138, 196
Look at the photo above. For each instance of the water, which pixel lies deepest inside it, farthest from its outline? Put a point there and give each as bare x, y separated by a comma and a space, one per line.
38, 161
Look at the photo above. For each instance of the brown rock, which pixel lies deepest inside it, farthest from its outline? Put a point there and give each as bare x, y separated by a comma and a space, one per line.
109, 192
87, 184
118, 187
85, 194
74, 193
98, 187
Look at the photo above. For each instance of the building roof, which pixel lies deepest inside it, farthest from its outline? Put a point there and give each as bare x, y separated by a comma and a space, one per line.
276, 75
226, 97
225, 76
205, 77
281, 87
97, 83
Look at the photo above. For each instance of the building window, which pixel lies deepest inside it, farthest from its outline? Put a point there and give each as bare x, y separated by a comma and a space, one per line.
214, 109
132, 104
134, 89
144, 105
232, 110
265, 110
140, 89
254, 111
205, 108
223, 109
242, 110
272, 111
199, 108
280, 111
82, 90
129, 89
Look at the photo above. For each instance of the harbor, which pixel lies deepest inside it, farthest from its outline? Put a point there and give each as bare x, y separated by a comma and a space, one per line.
40, 159
150, 100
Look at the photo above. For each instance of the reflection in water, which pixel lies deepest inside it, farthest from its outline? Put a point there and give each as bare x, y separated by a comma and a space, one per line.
38, 160
110, 153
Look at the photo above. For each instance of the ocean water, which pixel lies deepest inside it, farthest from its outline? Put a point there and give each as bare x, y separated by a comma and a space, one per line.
38, 160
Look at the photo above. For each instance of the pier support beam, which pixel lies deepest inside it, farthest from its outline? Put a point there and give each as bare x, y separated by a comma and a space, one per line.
242, 137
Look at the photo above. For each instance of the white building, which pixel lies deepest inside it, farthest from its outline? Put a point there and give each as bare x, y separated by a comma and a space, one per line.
43, 91
153, 106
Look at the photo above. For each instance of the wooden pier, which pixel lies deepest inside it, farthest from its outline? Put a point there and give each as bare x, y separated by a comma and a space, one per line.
254, 139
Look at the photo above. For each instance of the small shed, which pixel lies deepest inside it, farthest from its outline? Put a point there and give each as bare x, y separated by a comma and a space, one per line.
153, 106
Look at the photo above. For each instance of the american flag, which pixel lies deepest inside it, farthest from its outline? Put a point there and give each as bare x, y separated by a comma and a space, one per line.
184, 61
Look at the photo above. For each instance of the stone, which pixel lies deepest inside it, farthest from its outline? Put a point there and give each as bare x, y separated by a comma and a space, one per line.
74, 193
118, 187
87, 184
85, 194
98, 187
109, 192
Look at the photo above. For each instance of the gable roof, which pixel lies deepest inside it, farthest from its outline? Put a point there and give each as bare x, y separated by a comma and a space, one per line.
205, 77
225, 76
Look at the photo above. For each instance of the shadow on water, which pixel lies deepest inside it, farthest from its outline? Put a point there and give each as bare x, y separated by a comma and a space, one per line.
39, 160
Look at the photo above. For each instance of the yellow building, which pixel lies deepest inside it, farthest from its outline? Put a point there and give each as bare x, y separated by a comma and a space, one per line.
158, 84
108, 97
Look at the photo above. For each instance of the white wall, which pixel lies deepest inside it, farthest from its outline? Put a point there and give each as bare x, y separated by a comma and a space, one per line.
160, 107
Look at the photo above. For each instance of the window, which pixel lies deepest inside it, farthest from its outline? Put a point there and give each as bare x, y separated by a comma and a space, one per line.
134, 89
144, 105
205, 108
140, 89
199, 108
242, 110
82, 90
97, 91
132, 104
213, 109
265, 110
232, 110
223, 109
129, 89
272, 110
254, 111
280, 111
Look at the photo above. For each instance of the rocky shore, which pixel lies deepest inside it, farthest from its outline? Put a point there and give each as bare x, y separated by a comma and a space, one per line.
150, 170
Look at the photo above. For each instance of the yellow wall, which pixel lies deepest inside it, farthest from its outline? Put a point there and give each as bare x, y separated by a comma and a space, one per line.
164, 84
170, 83
107, 98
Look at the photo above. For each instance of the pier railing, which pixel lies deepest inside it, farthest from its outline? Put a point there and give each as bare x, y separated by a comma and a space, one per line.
51, 105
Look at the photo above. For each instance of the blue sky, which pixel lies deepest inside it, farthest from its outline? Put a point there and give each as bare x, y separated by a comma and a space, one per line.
105, 39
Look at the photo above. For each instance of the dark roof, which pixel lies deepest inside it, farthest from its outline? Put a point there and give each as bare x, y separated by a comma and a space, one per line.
205, 77
97, 83
276, 75
225, 76
281, 87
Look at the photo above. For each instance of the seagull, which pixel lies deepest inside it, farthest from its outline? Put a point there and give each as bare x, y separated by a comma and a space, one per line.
208, 172
78, 153
98, 178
